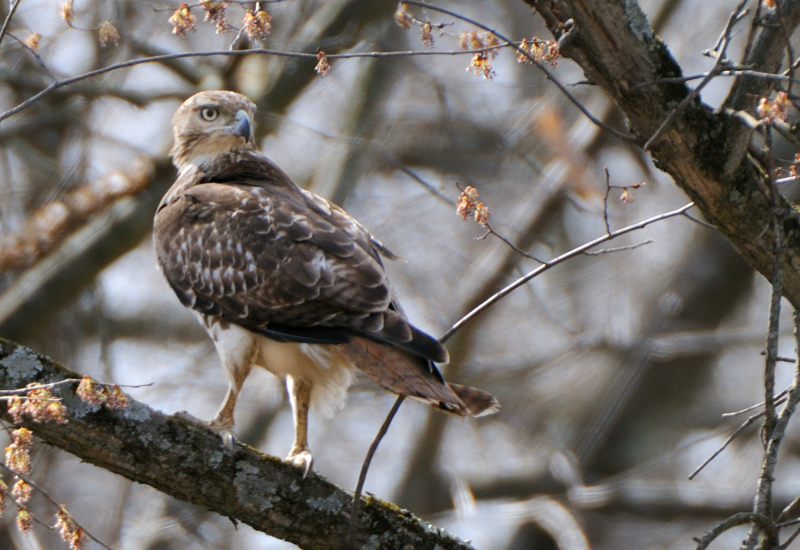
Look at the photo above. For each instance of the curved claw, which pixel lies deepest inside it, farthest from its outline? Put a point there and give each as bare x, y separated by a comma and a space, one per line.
229, 440
225, 431
302, 460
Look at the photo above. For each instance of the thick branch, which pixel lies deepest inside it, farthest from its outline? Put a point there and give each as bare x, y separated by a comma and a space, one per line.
617, 49
179, 456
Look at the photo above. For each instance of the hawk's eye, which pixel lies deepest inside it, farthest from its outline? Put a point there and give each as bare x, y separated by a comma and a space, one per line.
209, 113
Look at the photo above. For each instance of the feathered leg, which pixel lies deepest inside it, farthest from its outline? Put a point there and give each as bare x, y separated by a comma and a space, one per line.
237, 350
223, 422
300, 398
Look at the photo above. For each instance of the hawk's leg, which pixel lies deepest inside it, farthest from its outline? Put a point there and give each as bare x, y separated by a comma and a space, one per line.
223, 422
300, 398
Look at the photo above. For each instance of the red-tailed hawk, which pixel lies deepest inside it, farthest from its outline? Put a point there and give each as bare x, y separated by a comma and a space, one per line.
283, 279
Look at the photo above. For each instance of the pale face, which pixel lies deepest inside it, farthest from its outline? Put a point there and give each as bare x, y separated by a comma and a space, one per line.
210, 124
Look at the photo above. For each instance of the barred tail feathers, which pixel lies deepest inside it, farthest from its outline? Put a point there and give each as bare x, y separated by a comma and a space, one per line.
477, 402
403, 373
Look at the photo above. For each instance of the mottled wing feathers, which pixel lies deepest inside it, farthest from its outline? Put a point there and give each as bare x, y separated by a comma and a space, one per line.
245, 244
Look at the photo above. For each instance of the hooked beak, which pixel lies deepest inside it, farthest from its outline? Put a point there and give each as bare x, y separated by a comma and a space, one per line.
242, 126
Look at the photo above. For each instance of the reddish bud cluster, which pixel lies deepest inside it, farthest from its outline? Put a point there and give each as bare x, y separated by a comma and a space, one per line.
39, 405
24, 521
793, 167
778, 109
69, 530
468, 205
426, 34
22, 492
3, 496
481, 64
473, 40
543, 51
322, 68
100, 394
257, 25
108, 34
402, 17
216, 12
183, 21
626, 196
33, 41
68, 12
18, 454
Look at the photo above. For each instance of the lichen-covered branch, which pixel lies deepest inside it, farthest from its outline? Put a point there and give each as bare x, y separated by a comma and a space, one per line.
178, 455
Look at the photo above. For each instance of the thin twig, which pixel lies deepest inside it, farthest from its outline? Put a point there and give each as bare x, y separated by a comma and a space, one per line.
52, 385
605, 202
167, 57
728, 71
778, 399
771, 433
35, 55
515, 248
728, 441
8, 19
554, 262
775, 437
617, 248
365, 468
788, 511
787, 35
699, 221
541, 66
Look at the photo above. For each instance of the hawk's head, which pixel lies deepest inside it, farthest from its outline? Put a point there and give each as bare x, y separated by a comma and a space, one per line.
210, 124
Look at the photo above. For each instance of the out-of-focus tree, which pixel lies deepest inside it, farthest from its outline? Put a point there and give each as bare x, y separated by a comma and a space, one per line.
613, 366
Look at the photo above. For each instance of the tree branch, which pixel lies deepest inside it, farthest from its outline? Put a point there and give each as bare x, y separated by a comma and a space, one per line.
617, 49
178, 455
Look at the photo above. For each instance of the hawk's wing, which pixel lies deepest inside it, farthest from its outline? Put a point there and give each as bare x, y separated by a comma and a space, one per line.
253, 249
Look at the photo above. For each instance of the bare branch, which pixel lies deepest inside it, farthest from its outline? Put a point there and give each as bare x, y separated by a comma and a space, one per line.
169, 57
727, 442
617, 248
778, 400
362, 477
555, 261
11, 12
